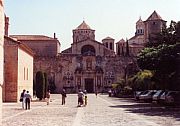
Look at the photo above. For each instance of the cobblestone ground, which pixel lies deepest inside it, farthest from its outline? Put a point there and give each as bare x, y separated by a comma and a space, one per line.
100, 111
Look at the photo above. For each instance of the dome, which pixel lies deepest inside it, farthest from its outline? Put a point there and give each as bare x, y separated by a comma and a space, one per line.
83, 25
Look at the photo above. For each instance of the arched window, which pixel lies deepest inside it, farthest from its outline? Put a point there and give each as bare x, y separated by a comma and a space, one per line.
88, 50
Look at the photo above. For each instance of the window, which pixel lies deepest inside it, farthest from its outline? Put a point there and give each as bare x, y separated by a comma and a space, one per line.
24, 73
88, 64
88, 50
98, 80
111, 46
107, 45
27, 73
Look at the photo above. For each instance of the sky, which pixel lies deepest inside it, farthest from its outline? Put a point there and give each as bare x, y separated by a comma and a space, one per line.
113, 18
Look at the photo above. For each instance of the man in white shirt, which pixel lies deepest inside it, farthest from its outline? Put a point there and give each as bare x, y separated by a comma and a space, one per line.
28, 99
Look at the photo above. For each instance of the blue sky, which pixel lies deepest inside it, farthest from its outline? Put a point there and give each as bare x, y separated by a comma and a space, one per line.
114, 18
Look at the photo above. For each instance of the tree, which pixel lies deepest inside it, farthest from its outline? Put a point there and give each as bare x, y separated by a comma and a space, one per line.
168, 36
142, 80
127, 48
163, 61
46, 84
40, 84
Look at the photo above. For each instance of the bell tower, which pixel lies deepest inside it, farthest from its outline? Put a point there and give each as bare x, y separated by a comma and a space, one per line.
83, 32
154, 24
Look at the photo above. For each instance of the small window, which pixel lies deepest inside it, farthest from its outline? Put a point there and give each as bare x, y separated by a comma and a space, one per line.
107, 45
111, 46
27, 73
154, 23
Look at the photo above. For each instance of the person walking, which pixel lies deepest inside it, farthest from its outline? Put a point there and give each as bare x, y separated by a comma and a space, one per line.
28, 99
48, 97
85, 98
96, 93
22, 98
63, 97
80, 98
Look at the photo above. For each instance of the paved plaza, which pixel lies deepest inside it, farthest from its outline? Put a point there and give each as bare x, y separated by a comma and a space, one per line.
100, 111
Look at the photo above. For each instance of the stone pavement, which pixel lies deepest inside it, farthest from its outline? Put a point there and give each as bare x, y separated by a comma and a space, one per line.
100, 111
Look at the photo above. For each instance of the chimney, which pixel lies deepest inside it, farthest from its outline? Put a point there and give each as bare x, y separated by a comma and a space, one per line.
55, 36
6, 25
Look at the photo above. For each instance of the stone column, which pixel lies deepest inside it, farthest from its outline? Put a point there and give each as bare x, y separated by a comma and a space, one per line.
1, 55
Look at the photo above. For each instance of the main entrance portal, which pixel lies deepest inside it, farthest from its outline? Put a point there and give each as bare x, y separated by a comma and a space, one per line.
89, 85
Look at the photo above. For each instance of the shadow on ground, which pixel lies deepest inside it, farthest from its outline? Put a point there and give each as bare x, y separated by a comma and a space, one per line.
150, 109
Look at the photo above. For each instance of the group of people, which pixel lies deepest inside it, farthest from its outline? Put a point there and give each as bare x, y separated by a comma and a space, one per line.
82, 98
25, 99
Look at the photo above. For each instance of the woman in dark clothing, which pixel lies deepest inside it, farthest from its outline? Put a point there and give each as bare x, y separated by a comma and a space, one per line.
63, 97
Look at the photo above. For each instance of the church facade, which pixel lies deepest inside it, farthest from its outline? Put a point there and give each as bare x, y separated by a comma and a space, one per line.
88, 64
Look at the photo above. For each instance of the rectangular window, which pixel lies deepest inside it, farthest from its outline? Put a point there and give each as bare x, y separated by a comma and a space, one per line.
111, 46
24, 73
107, 45
27, 73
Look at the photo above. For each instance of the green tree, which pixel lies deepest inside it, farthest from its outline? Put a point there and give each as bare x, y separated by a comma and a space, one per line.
163, 61
46, 84
169, 35
40, 84
142, 80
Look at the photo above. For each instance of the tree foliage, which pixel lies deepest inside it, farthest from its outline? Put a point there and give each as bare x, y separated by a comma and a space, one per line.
142, 80
169, 35
46, 84
163, 60
40, 85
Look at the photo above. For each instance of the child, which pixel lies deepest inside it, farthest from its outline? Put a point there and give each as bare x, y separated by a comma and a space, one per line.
48, 97
85, 100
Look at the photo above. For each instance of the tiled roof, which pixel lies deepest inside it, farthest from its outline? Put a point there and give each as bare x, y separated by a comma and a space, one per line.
83, 25
107, 38
69, 50
31, 37
121, 41
139, 21
21, 45
134, 37
154, 16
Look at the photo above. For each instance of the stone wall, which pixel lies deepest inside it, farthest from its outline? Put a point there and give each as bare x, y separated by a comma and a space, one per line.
18, 70
43, 48
25, 72
1, 54
56, 68
11, 70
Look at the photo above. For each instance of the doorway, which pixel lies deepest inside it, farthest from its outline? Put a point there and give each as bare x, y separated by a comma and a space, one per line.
89, 85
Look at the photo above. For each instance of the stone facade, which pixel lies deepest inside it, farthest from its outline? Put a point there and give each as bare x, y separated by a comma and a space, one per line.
145, 30
87, 64
18, 69
1, 54
41, 45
